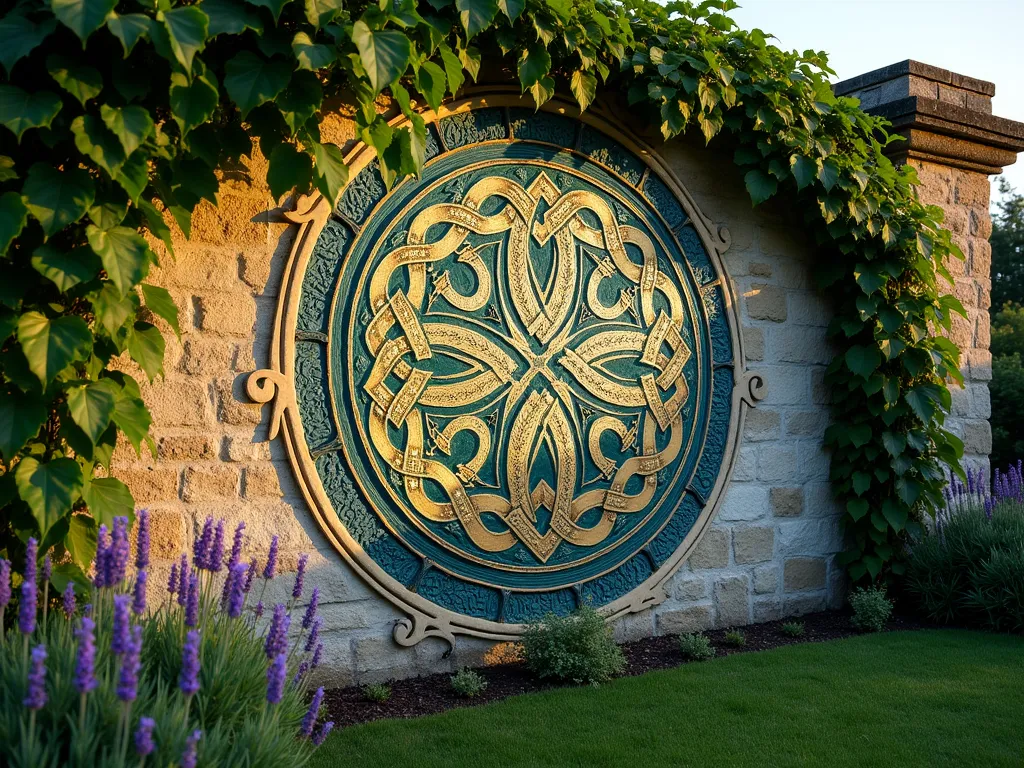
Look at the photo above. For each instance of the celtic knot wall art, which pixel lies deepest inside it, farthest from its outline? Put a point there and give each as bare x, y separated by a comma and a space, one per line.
513, 385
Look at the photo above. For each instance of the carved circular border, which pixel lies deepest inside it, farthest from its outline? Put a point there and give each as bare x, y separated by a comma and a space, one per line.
426, 618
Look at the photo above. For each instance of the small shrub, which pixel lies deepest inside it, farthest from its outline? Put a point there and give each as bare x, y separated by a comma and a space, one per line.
871, 609
468, 683
577, 648
793, 629
735, 638
696, 647
378, 692
504, 653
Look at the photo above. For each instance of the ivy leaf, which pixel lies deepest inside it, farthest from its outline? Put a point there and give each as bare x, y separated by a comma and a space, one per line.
289, 168
513, 9
81, 540
111, 308
13, 215
760, 185
20, 111
476, 15
193, 102
64, 269
471, 59
861, 482
863, 360
49, 489
321, 12
159, 302
828, 174
7, 172
230, 17
543, 91
134, 176
300, 100
584, 87
21, 416
57, 198
132, 418
452, 68
384, 54
869, 277
187, 28
83, 17
91, 406
156, 223
98, 144
894, 443
534, 64
81, 81
857, 508
124, 253
311, 55
908, 489
107, 498
146, 347
251, 80
274, 6
131, 125
922, 399
804, 170
430, 81
51, 345
19, 37
330, 172
129, 28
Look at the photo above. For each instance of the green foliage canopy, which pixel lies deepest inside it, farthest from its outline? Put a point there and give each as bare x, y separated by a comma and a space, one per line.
117, 112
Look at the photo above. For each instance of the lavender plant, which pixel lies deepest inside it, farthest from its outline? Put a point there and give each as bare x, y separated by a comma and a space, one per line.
104, 682
970, 568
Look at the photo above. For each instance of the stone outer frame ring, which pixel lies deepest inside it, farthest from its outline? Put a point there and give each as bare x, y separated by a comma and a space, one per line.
276, 385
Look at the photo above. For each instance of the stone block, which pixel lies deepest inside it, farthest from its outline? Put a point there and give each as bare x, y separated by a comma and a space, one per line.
745, 468
766, 579
769, 609
786, 502
689, 588
206, 483
168, 532
744, 501
809, 308
804, 573
681, 621
233, 406
819, 500
776, 463
177, 402
732, 601
758, 269
798, 605
753, 545
787, 385
762, 424
972, 189
807, 423
813, 461
207, 356
766, 302
379, 658
150, 484
260, 480
197, 268
712, 551
810, 536
185, 447
753, 343
227, 314
799, 345
633, 626
978, 437
244, 448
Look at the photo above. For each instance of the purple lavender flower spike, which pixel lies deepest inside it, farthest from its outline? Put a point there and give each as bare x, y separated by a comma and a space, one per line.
271, 567
120, 639
31, 560
309, 721
201, 546
128, 679
314, 601
325, 729
188, 681
5, 583
315, 662
120, 550
188, 757
36, 698
215, 561
47, 568
144, 744
277, 634
300, 673
69, 599
275, 678
172, 581
183, 581
314, 634
236, 595
249, 576
970, 481
300, 576
258, 610
139, 598
236, 546
87, 610
103, 555
85, 656
29, 591
142, 541
192, 603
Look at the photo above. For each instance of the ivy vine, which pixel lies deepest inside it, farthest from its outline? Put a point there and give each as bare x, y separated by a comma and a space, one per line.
117, 115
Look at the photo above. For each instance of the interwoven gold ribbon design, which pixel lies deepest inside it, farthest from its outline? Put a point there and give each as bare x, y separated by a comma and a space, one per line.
403, 333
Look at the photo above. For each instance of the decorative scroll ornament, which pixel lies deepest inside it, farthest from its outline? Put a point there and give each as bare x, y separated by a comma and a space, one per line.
513, 385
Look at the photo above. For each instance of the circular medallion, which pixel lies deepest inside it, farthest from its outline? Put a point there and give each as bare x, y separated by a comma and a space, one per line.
514, 374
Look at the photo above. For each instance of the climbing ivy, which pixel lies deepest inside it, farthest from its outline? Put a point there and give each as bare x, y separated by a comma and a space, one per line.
118, 114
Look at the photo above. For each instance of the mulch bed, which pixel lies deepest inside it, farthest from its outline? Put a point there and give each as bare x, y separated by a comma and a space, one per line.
433, 693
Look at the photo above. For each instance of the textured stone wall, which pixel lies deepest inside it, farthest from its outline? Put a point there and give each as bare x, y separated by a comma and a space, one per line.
771, 550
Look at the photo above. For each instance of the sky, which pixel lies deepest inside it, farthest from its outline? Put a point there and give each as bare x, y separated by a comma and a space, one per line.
978, 38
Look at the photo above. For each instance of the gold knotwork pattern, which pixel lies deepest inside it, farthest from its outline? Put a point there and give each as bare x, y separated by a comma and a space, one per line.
526, 370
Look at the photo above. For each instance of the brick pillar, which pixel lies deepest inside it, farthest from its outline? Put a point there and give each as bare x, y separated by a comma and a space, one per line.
955, 143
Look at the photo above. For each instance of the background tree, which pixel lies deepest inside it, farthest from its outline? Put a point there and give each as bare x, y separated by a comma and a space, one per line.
1007, 387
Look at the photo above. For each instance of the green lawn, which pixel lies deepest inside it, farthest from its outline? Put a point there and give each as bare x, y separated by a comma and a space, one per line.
900, 699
